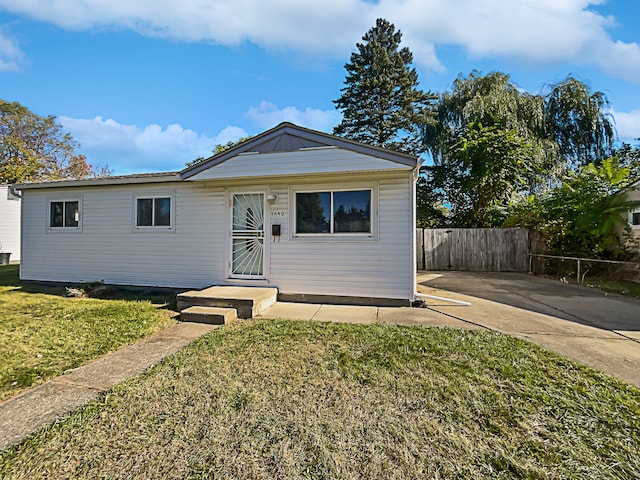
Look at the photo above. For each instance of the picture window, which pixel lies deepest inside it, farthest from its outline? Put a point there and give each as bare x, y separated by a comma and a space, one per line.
333, 212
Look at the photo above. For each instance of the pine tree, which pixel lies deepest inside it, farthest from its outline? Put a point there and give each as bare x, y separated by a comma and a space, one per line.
381, 103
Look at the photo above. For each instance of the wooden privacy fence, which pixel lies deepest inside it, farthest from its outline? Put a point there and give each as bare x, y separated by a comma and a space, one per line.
473, 249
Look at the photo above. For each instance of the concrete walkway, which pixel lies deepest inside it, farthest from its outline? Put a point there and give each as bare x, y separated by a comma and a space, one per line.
40, 406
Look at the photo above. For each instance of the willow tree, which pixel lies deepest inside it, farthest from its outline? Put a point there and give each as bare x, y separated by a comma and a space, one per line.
492, 100
551, 135
629, 156
381, 102
577, 120
488, 144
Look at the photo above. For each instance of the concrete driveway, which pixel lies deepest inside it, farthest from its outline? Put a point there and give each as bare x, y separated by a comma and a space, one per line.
599, 329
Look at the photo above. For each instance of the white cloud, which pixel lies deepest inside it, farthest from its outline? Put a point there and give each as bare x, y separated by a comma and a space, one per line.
628, 125
267, 115
621, 60
230, 134
563, 31
277, 24
11, 57
152, 148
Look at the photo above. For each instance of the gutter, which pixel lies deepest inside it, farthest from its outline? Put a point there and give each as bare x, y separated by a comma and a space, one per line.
102, 181
13, 192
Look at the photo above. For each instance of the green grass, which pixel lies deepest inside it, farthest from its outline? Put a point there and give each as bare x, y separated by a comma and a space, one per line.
627, 288
631, 289
277, 399
43, 333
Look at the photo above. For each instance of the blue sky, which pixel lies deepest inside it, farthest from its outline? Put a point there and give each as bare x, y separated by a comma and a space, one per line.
147, 85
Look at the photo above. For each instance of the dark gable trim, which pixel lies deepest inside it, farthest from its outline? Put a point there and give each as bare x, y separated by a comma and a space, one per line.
301, 137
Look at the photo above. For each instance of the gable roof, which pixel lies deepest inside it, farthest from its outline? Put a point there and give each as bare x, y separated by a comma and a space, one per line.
285, 137
288, 137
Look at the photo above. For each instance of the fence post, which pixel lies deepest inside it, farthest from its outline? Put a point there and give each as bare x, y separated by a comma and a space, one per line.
422, 249
579, 282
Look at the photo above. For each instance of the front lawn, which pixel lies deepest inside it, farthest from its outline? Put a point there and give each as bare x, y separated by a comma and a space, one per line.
43, 333
279, 399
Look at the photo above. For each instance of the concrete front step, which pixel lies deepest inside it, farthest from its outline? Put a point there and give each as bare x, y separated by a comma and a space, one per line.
210, 315
248, 301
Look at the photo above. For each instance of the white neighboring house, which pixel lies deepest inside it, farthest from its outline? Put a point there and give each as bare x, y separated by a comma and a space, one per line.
9, 222
632, 193
310, 213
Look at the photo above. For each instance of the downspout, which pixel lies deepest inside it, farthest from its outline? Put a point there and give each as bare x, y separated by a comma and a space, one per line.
442, 299
12, 191
413, 288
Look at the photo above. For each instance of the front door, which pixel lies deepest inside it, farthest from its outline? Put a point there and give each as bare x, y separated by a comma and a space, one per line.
247, 235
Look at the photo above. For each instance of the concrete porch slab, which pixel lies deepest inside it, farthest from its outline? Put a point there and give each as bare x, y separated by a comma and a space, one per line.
234, 292
248, 301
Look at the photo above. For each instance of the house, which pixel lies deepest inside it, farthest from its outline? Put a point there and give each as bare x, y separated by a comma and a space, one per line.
632, 194
309, 213
9, 223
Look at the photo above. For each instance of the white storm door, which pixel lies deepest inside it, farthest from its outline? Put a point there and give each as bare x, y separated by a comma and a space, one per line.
247, 235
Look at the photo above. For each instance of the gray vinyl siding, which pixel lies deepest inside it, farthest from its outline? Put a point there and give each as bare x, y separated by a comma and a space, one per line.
195, 254
362, 267
300, 162
9, 224
108, 249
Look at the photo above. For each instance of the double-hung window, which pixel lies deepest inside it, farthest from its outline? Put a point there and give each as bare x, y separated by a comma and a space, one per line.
635, 219
153, 212
333, 212
64, 214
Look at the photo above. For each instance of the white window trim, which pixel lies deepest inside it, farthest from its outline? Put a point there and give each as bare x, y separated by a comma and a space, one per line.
171, 228
334, 237
631, 212
63, 229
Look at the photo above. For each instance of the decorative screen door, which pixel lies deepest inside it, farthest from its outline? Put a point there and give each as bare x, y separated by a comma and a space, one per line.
247, 235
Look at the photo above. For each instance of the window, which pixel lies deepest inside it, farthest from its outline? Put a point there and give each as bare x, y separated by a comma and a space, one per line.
64, 214
333, 212
635, 219
153, 212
